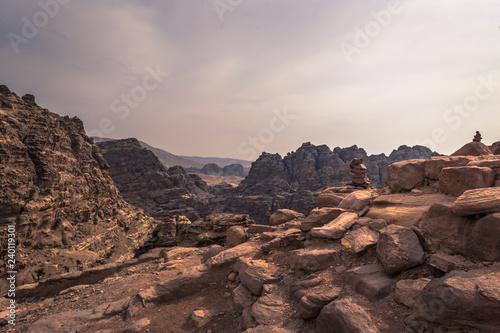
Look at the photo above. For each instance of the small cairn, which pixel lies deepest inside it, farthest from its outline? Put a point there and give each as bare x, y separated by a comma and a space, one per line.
477, 137
358, 173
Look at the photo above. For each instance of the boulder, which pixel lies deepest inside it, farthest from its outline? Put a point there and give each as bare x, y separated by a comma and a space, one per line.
320, 217
359, 240
357, 201
470, 299
456, 180
313, 260
311, 304
201, 317
483, 240
435, 164
269, 309
371, 281
242, 297
447, 263
137, 326
493, 163
399, 249
327, 198
210, 252
336, 228
283, 216
495, 148
478, 201
287, 238
230, 256
406, 175
473, 149
374, 224
345, 316
407, 290
254, 274
300, 288
444, 230
236, 235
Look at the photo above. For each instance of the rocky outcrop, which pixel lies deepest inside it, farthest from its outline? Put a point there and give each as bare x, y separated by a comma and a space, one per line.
55, 187
145, 182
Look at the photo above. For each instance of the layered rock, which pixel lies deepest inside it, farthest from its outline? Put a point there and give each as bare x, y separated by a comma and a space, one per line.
55, 187
145, 182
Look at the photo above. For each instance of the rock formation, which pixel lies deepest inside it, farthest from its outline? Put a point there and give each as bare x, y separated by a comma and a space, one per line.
474, 148
358, 173
55, 188
477, 137
145, 182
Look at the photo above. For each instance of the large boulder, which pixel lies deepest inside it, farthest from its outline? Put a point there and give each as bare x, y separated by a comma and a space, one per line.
470, 299
444, 230
236, 235
483, 240
360, 240
478, 201
371, 281
283, 216
399, 249
254, 274
357, 201
336, 228
457, 180
435, 164
345, 316
407, 291
495, 148
473, 149
406, 175
311, 304
328, 198
320, 217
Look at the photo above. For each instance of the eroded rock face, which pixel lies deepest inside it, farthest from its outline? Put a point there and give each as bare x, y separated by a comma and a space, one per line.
470, 299
145, 182
55, 186
478, 201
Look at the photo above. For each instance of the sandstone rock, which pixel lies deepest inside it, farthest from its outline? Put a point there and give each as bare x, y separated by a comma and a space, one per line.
345, 316
357, 201
269, 309
320, 217
469, 299
283, 216
300, 288
313, 260
399, 249
406, 175
211, 251
446, 263
235, 236
435, 164
329, 199
285, 239
495, 148
478, 201
370, 281
336, 228
178, 253
473, 149
483, 240
359, 240
231, 255
313, 302
137, 326
358, 173
457, 180
201, 317
374, 224
491, 162
444, 230
258, 274
260, 228
408, 290
242, 297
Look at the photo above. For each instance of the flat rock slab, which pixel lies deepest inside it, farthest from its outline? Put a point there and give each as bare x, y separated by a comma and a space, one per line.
399, 249
371, 281
260, 228
357, 201
320, 217
230, 256
336, 228
360, 240
478, 201
462, 298
283, 216
447, 263
345, 316
313, 260
456, 180
257, 274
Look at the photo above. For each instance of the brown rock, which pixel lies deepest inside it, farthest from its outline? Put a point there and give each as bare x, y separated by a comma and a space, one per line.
478, 201
257, 275
313, 260
457, 180
283, 216
371, 281
269, 309
336, 228
236, 235
406, 175
357, 201
408, 290
329, 199
345, 316
360, 240
473, 149
311, 304
483, 241
320, 217
495, 148
399, 249
435, 164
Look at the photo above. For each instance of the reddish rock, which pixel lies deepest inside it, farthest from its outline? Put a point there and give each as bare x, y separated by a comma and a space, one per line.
473, 149
478, 201
406, 175
327, 198
336, 228
435, 164
483, 240
283, 216
320, 217
457, 180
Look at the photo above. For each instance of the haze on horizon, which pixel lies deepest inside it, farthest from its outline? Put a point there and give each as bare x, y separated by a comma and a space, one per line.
232, 78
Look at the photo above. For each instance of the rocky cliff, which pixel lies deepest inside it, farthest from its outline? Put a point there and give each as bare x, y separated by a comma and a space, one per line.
55, 187
145, 182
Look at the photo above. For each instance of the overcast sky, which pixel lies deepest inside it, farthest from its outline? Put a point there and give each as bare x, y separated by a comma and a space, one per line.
251, 75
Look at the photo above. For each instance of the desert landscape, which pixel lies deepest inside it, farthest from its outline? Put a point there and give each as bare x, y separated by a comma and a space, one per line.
227, 166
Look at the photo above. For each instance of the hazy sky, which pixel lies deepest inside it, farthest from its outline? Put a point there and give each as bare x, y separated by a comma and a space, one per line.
252, 75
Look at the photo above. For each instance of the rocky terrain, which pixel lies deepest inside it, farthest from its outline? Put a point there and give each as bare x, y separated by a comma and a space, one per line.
421, 255
55, 188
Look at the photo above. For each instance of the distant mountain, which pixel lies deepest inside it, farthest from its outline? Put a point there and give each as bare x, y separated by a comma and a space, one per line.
166, 158
221, 162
